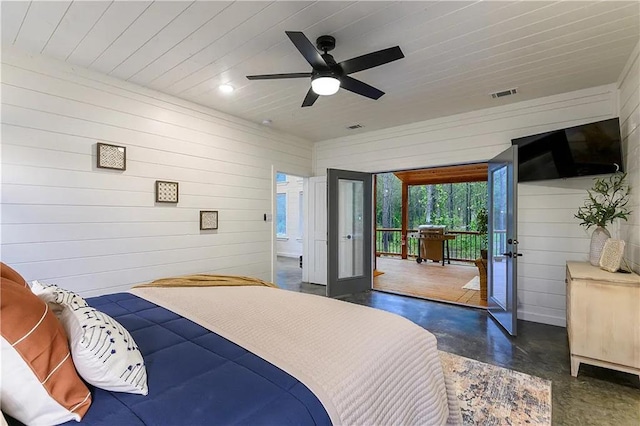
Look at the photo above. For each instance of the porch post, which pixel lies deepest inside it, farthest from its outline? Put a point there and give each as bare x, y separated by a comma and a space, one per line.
405, 218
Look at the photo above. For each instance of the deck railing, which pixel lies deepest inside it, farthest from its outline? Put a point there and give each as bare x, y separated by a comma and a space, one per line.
465, 247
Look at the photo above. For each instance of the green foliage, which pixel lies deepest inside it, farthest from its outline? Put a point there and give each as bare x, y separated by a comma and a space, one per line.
453, 205
607, 201
482, 225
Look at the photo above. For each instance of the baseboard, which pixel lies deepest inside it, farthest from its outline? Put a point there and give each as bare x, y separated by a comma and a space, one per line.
543, 319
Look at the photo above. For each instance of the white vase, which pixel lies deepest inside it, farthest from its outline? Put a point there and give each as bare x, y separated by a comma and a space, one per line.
598, 238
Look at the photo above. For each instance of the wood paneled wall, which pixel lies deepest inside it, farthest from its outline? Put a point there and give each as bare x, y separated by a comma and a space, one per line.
99, 231
629, 85
549, 234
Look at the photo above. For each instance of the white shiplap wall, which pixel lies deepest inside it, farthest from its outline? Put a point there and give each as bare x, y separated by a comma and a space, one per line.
549, 235
99, 231
629, 85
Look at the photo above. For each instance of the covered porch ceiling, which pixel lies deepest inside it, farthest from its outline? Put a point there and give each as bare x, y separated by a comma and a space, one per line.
449, 174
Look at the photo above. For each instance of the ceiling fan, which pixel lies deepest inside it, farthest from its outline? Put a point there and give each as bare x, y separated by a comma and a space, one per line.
328, 76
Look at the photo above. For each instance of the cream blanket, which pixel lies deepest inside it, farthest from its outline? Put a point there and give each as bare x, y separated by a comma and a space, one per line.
366, 366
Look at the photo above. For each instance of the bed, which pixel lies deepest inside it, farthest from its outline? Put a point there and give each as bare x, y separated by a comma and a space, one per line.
192, 368
265, 356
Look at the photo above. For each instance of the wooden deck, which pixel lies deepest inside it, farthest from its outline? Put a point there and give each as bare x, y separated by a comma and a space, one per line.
428, 280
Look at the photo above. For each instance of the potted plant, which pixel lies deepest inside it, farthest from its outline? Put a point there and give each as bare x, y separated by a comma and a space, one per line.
607, 201
482, 225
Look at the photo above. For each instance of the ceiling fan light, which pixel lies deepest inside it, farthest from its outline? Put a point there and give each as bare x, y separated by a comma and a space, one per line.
325, 86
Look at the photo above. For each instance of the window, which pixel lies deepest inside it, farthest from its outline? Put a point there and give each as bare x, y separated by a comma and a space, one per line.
281, 214
281, 177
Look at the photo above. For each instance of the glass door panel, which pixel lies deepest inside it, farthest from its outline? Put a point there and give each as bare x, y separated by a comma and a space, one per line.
502, 288
351, 206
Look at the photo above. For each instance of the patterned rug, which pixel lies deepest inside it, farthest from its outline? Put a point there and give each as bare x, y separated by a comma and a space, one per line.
491, 395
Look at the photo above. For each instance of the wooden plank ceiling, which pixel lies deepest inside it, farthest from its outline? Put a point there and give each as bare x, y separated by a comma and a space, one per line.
456, 52
450, 174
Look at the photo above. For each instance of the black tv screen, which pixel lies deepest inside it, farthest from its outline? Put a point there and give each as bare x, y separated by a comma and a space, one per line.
590, 149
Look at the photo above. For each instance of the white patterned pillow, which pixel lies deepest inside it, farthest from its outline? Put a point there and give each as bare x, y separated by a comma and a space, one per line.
57, 297
103, 351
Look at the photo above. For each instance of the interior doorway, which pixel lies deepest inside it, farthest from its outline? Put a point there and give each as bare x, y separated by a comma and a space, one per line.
431, 227
289, 229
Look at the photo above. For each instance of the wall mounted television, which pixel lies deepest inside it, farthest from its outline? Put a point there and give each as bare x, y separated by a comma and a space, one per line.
589, 149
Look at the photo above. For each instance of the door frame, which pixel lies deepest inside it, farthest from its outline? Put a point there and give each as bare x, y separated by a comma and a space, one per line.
275, 169
439, 166
306, 240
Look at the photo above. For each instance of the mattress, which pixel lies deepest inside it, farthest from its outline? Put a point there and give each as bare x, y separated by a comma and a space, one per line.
197, 377
366, 366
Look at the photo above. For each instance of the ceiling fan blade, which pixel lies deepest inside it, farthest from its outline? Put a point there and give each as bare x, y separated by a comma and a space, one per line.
357, 86
310, 98
371, 60
307, 49
277, 76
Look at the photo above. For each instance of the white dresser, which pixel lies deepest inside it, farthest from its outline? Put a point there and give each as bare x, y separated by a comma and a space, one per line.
603, 318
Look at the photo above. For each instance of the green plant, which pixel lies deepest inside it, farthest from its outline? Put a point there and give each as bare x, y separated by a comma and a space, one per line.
482, 224
607, 201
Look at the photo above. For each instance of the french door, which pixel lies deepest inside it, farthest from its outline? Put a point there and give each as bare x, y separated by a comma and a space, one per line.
502, 253
349, 225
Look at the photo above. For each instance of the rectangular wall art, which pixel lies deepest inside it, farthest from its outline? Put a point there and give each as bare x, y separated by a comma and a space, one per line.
111, 156
166, 192
208, 219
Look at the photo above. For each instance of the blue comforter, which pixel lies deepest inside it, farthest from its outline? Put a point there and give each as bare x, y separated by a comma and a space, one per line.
197, 377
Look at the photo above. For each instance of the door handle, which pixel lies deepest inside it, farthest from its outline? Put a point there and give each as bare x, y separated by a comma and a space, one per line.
509, 254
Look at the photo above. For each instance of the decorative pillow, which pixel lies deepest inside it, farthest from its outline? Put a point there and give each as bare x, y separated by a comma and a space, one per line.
9, 273
57, 297
103, 351
40, 385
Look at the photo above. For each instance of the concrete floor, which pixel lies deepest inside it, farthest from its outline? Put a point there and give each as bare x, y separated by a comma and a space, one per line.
597, 396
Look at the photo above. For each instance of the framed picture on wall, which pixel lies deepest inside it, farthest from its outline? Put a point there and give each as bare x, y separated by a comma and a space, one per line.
111, 156
166, 192
208, 219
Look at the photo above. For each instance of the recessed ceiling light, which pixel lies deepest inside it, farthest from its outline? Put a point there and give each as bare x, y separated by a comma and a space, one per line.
267, 122
226, 88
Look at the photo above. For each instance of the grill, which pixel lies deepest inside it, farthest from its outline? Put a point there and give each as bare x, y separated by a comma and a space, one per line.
433, 239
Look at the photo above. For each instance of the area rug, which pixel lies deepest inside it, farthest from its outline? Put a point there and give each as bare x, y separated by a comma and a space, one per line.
377, 273
491, 395
473, 284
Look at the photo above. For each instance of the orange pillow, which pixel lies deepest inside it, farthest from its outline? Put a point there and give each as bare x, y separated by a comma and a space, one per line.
11, 274
39, 382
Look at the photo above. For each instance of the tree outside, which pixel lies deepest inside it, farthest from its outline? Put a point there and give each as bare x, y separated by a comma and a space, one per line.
453, 205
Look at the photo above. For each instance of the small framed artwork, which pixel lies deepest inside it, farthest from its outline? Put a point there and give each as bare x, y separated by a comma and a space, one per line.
166, 192
111, 156
208, 220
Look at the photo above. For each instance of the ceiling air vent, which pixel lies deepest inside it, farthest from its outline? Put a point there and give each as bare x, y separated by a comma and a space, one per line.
355, 126
504, 93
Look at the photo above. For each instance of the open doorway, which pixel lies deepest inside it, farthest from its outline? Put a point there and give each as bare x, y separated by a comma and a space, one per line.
430, 233
289, 227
